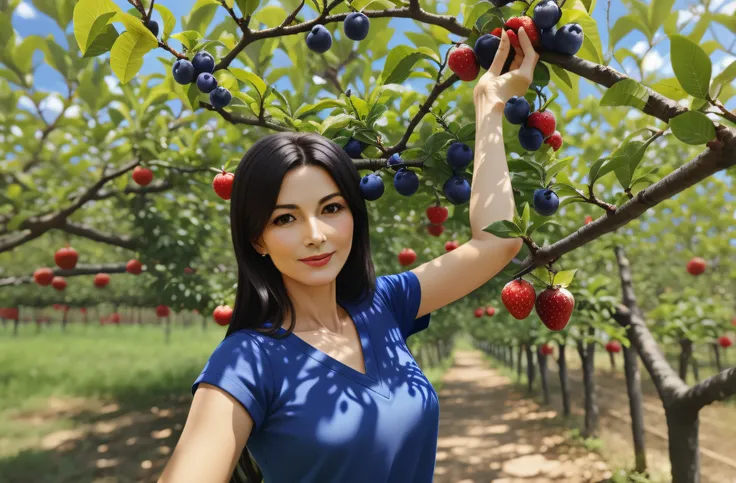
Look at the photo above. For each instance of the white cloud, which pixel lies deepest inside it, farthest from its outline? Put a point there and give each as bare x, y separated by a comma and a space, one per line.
729, 9
16, 131
52, 105
25, 11
721, 65
640, 47
686, 15
318, 80
73, 111
652, 61
25, 102
113, 84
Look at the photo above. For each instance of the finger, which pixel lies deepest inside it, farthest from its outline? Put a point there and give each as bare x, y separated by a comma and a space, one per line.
518, 59
530, 55
503, 52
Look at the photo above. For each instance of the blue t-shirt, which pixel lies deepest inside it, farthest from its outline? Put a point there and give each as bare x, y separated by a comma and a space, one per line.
318, 420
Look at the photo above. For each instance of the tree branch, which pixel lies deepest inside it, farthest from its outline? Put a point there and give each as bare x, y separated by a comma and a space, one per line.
702, 166
137, 190
96, 235
78, 270
715, 388
669, 385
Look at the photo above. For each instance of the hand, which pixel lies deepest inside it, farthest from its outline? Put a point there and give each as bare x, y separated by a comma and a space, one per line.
500, 88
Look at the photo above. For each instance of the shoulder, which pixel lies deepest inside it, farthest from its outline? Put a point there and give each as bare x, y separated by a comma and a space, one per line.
388, 286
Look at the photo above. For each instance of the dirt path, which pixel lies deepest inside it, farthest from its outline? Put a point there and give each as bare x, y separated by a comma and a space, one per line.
490, 433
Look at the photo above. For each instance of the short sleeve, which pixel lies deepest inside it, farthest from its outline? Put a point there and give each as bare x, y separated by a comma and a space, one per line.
240, 367
402, 293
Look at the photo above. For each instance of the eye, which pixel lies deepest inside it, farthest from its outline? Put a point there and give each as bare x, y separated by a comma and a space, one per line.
282, 217
337, 207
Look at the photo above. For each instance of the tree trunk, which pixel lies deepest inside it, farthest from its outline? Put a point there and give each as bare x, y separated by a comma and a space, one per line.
542, 360
167, 329
684, 448
613, 361
633, 387
717, 355
518, 363
564, 382
696, 372
64, 320
591, 408
686, 349
529, 367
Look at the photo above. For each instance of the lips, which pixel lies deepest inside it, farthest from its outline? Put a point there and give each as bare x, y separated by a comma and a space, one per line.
316, 257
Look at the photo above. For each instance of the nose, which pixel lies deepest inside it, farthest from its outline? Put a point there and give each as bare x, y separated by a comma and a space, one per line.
315, 235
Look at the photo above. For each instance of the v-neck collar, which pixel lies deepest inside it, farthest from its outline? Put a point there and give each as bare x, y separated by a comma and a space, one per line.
372, 377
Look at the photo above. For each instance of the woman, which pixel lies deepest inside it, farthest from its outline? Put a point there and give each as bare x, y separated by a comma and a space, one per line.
336, 397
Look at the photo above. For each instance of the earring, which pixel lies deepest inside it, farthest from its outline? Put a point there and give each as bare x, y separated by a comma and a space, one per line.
263, 254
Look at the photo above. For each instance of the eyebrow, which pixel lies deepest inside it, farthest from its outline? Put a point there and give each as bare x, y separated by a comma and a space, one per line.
295, 207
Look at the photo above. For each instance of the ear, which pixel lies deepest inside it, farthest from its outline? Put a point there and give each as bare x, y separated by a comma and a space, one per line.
258, 246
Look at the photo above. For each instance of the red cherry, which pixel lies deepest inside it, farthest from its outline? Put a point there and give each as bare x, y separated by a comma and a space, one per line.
696, 266
555, 140
547, 350
490, 311
479, 312
435, 230
115, 318
407, 256
223, 314
58, 283
134, 266
162, 311
223, 184
43, 276
451, 245
66, 258
437, 214
101, 280
613, 347
142, 176
188, 270
588, 219
724, 341
544, 121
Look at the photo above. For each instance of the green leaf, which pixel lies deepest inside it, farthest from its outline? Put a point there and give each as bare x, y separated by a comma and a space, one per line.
91, 18
472, 14
230, 3
728, 75
659, 10
537, 225
728, 21
103, 42
400, 62
626, 92
625, 25
57, 58
168, 18
590, 31
562, 75
595, 168
693, 127
188, 38
271, 16
543, 274
437, 141
691, 65
126, 56
307, 109
226, 80
503, 229
625, 160
541, 75
23, 54
671, 88
564, 278
525, 215
250, 78
559, 166
247, 7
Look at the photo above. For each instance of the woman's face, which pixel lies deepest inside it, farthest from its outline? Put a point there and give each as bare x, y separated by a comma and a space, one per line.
310, 218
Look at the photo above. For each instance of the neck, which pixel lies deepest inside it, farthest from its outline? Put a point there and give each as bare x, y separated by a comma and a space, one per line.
315, 307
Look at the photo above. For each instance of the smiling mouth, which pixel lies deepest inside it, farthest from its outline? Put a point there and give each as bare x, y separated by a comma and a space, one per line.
316, 258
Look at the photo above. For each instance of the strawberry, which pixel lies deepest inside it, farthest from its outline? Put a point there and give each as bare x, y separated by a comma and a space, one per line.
513, 38
518, 297
223, 184
544, 121
555, 140
554, 306
462, 61
437, 214
515, 23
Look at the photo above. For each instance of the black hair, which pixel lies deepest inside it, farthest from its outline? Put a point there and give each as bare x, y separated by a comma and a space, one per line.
261, 296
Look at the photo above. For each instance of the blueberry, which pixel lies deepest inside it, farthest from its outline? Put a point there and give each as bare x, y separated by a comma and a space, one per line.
153, 27
206, 82
183, 71
545, 202
356, 26
485, 49
569, 39
395, 159
354, 148
203, 62
457, 190
406, 182
530, 138
459, 156
371, 185
546, 14
319, 39
548, 39
516, 110
220, 97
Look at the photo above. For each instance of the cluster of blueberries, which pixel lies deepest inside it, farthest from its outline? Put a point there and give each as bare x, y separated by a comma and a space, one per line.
200, 70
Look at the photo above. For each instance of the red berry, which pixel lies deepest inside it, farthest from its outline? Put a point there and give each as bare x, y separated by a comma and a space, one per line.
724, 341
134, 266
435, 230
222, 315
43, 276
66, 258
555, 140
462, 61
530, 28
478, 313
588, 219
188, 270
451, 245
544, 121
58, 283
223, 184
115, 318
547, 349
733, 321
490, 311
696, 266
101, 280
613, 347
142, 176
407, 256
518, 297
554, 306
162, 311
437, 214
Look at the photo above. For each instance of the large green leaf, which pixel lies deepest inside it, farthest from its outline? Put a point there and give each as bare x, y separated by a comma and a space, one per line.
247, 7
625, 160
57, 58
472, 14
671, 88
691, 65
126, 55
103, 42
168, 18
625, 25
23, 54
693, 127
250, 78
659, 10
626, 92
400, 62
271, 15
188, 38
590, 32
503, 229
61, 11
86, 15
